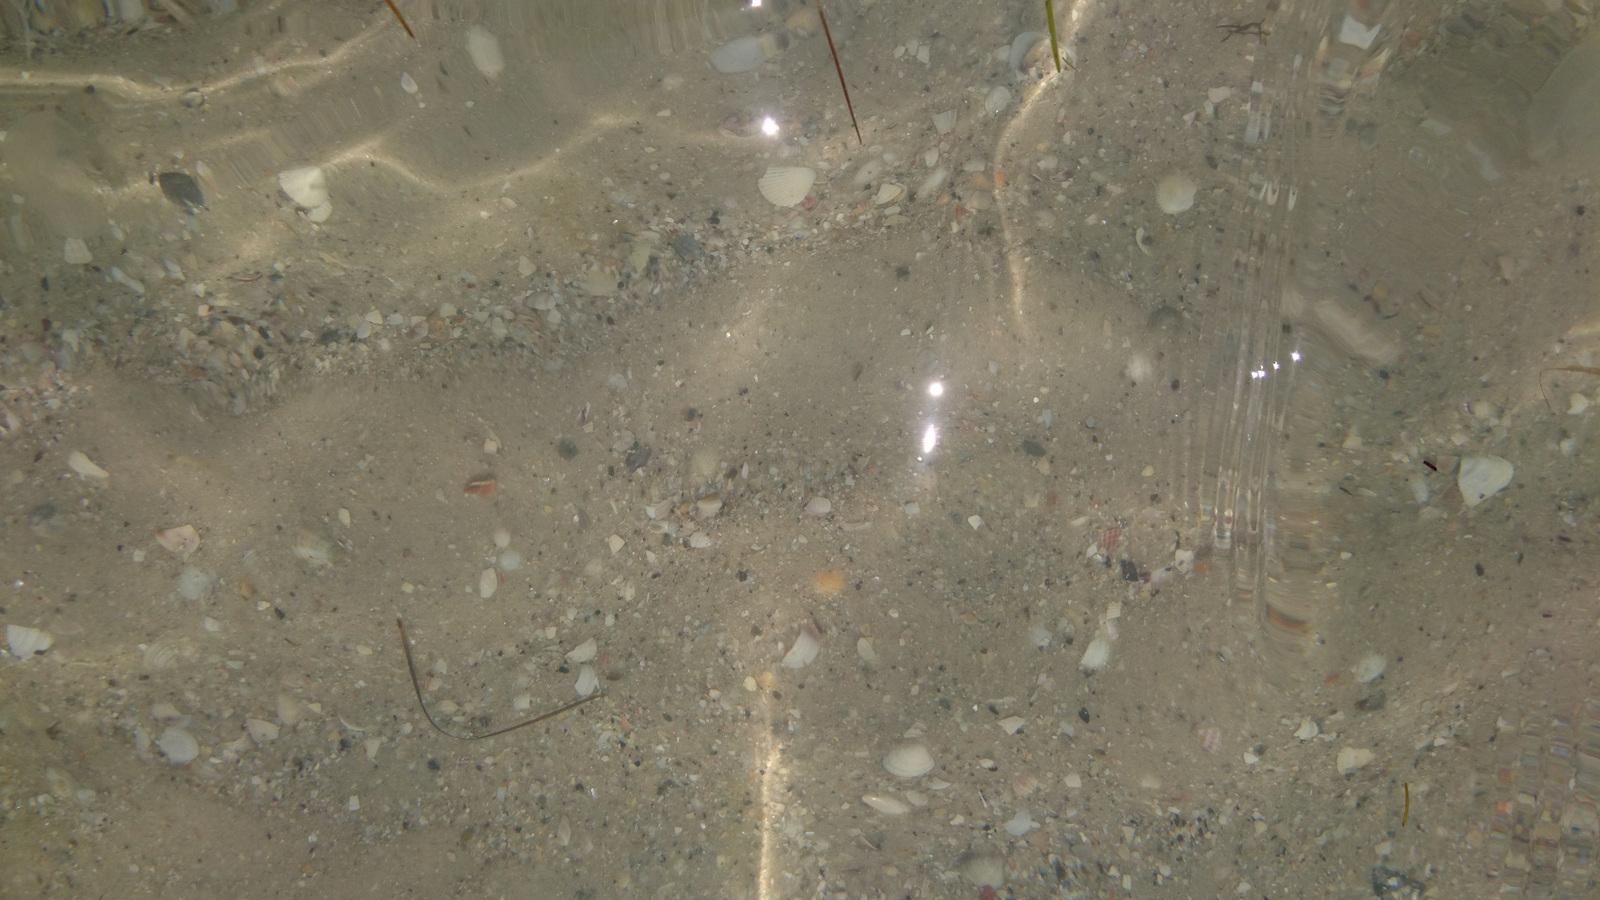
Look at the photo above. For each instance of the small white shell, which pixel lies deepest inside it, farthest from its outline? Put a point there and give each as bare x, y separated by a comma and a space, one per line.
909, 760
1175, 193
583, 652
888, 193
307, 186
819, 506
944, 121
178, 746
1481, 477
885, 804
786, 185
588, 681
181, 540
78, 462
1096, 656
484, 48
1370, 667
488, 583
997, 101
25, 642
804, 650
261, 731
407, 83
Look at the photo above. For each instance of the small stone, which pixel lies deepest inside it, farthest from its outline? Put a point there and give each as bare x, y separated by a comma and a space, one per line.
488, 583
83, 465
1352, 758
1012, 724
819, 506
25, 642
76, 252
1481, 477
1307, 730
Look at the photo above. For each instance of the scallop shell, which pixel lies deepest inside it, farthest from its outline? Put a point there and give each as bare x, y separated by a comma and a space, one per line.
1175, 193
786, 185
909, 760
944, 121
178, 746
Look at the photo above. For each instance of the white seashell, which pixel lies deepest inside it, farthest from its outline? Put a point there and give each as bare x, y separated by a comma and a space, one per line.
78, 462
181, 540
746, 53
160, 655
786, 185
933, 182
407, 83
307, 186
944, 121
178, 746
261, 731
1370, 667
194, 584
488, 583
804, 650
865, 651
1307, 730
510, 560
583, 652
320, 212
885, 804
588, 681
888, 193
484, 48
1175, 193
997, 101
1020, 824
502, 538
1012, 724
1481, 477
909, 760
1022, 44
709, 506
1095, 656
819, 506
699, 540
314, 548
984, 867
25, 642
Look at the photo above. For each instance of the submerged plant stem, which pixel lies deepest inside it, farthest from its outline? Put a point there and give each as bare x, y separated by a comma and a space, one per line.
405, 645
840, 69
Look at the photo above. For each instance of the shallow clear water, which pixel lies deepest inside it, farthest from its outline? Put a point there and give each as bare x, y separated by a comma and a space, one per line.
1143, 519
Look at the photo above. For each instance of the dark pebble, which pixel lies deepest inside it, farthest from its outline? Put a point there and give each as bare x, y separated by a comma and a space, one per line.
181, 189
567, 448
1033, 448
637, 458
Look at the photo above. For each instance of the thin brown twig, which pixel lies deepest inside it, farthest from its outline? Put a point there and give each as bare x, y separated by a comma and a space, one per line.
405, 645
840, 69
396, 10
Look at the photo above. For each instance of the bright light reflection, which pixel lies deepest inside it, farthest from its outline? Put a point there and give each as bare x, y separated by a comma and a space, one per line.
1295, 356
930, 439
936, 389
769, 127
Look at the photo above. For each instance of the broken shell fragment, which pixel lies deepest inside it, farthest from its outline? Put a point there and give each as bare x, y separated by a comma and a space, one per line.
78, 462
786, 185
909, 760
1482, 477
25, 642
180, 540
885, 804
583, 652
804, 650
307, 186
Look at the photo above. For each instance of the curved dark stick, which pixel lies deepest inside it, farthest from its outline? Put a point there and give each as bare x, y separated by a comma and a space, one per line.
411, 667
